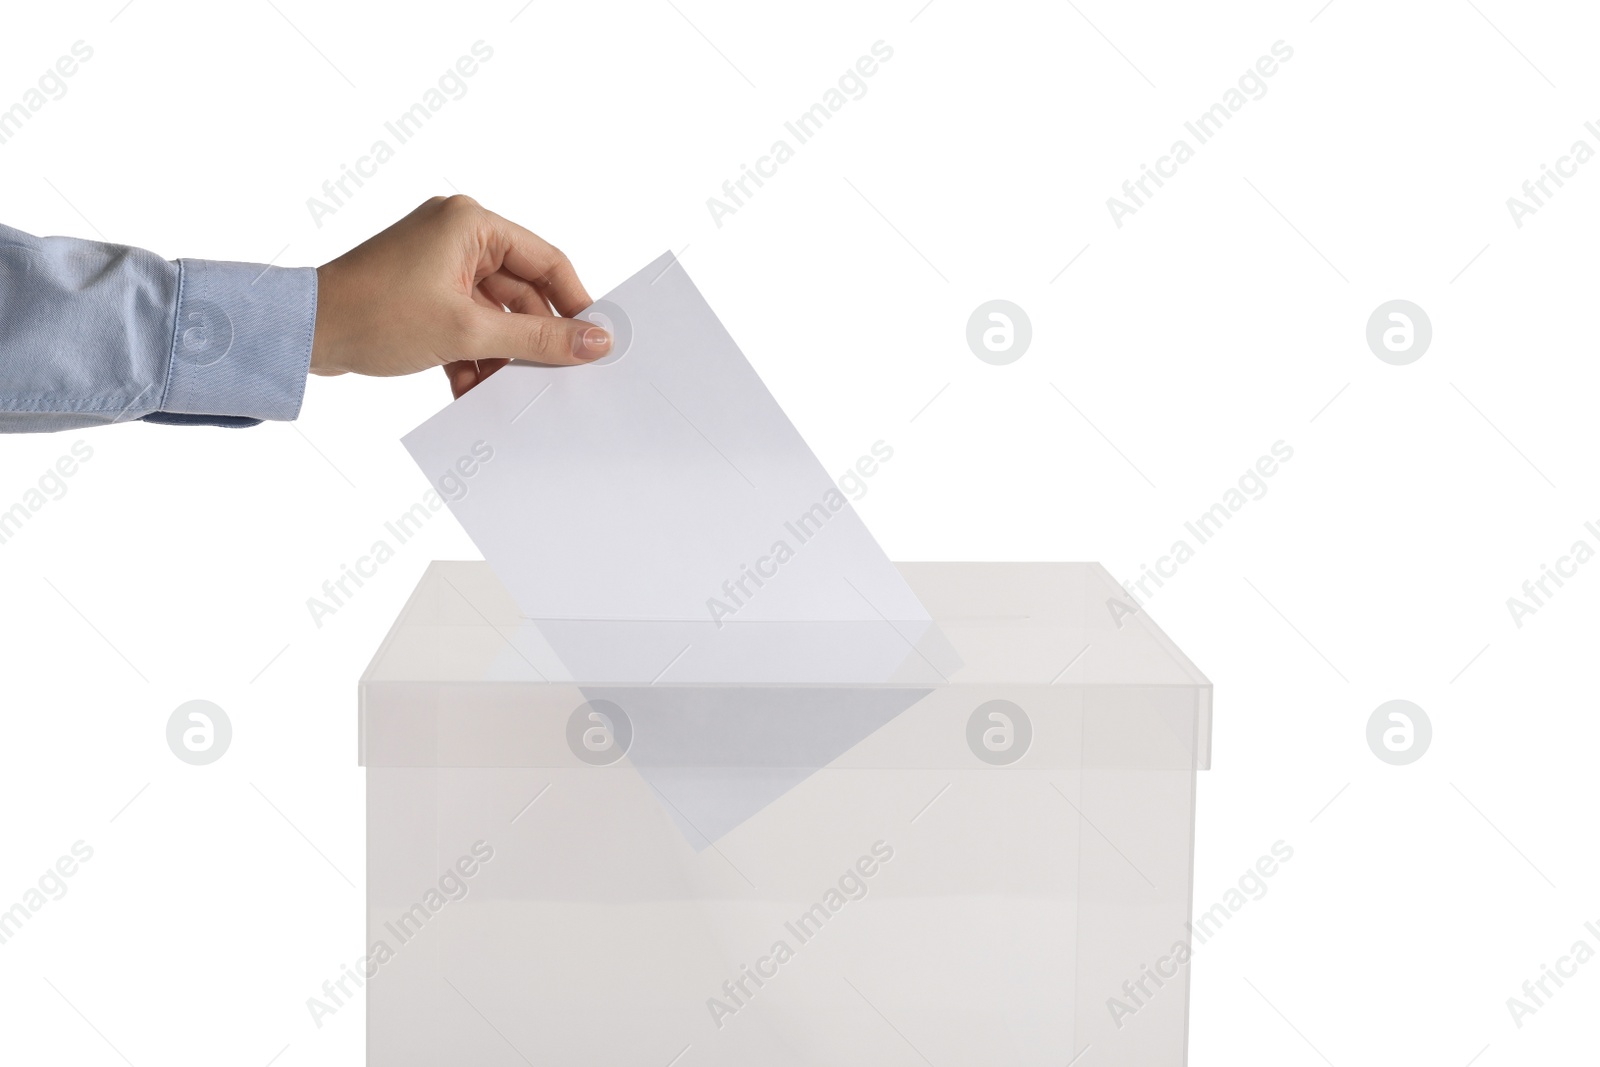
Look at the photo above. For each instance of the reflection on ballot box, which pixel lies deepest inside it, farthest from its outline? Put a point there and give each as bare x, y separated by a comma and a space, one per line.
957, 841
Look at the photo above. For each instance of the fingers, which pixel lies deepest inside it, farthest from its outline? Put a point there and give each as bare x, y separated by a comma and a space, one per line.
495, 334
508, 290
533, 259
520, 271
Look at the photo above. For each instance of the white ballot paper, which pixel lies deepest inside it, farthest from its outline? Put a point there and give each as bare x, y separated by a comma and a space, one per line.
677, 551
661, 482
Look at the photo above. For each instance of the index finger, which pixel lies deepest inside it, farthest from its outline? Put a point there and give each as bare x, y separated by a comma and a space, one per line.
540, 264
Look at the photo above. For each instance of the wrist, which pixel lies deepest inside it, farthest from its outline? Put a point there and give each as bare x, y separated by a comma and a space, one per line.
325, 344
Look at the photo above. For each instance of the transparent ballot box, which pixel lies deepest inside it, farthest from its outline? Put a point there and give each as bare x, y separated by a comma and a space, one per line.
647, 842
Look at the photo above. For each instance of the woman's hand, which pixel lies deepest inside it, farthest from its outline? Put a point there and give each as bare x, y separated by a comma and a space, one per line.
451, 285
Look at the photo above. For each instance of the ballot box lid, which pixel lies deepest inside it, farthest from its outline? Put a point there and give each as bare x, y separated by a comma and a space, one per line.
461, 640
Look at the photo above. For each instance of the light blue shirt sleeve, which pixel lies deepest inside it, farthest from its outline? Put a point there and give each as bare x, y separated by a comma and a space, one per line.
96, 333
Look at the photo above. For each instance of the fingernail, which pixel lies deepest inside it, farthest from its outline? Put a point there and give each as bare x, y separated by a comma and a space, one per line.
596, 343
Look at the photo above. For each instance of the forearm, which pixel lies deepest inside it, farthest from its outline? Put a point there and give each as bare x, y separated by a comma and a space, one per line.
94, 333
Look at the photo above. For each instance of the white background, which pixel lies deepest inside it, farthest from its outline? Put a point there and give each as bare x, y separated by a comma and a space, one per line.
1226, 315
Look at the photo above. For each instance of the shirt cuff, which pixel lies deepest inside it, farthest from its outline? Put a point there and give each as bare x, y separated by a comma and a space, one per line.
241, 346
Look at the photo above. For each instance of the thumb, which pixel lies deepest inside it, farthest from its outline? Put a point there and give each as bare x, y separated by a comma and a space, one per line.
495, 334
